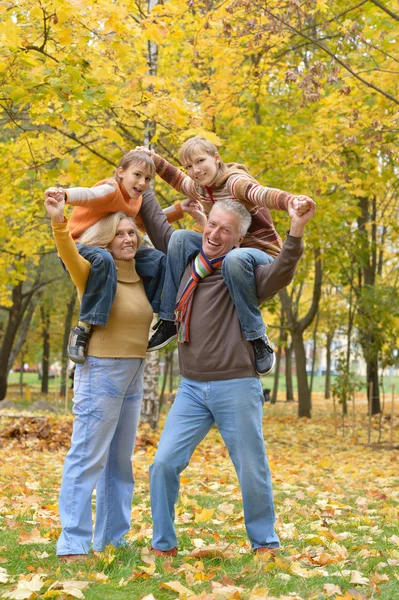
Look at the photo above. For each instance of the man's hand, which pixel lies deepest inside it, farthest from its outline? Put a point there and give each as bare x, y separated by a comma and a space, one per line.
302, 204
298, 216
194, 208
54, 203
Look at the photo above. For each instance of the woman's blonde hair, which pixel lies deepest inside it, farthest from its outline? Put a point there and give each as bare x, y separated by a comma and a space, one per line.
138, 157
194, 146
103, 232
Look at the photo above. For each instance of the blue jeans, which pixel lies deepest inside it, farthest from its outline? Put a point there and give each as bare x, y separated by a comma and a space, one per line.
107, 404
100, 288
235, 405
238, 271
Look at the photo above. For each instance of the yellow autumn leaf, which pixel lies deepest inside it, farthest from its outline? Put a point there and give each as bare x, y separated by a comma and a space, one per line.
176, 586
26, 588
204, 515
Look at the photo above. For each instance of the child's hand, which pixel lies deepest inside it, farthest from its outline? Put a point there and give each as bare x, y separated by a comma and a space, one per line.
302, 204
194, 208
55, 207
145, 149
57, 193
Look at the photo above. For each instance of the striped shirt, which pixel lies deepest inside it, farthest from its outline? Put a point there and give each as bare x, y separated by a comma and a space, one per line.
234, 182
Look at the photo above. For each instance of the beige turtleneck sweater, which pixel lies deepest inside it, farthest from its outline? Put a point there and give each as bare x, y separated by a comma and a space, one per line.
126, 333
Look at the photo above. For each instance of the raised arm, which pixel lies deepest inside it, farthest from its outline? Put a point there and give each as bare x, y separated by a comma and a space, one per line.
244, 188
77, 266
172, 175
272, 278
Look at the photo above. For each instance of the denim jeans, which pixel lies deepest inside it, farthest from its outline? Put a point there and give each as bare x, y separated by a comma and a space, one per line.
235, 405
107, 403
100, 288
238, 271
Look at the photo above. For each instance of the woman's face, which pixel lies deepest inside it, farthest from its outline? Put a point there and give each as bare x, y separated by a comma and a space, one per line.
124, 244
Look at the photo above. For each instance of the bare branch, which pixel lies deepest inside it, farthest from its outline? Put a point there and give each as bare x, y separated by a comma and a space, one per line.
385, 9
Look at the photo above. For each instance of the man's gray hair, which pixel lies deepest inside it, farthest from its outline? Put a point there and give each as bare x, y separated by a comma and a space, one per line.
238, 209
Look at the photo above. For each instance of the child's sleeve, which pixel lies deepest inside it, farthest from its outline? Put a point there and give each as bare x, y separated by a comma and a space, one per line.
245, 189
174, 213
77, 266
99, 196
177, 179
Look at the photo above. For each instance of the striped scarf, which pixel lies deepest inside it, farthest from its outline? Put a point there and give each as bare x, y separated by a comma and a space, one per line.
203, 266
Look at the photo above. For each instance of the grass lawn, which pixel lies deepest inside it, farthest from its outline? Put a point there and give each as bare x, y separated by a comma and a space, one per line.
337, 505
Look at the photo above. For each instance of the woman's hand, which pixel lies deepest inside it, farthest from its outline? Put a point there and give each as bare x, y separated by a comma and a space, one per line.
54, 203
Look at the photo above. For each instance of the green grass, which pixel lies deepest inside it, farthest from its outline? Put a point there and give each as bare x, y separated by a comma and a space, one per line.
332, 496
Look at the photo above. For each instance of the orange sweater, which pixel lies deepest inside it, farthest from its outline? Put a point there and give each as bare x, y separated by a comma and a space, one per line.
107, 196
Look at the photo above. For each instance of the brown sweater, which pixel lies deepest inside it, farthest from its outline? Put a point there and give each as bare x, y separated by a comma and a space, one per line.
234, 182
126, 333
217, 349
108, 196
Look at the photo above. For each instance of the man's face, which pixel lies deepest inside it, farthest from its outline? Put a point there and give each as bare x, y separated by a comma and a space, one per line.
221, 233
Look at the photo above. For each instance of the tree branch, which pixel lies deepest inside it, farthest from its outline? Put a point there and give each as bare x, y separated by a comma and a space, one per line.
385, 9
334, 57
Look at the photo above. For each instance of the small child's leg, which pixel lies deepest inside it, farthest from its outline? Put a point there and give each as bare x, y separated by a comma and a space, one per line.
150, 265
183, 245
96, 301
238, 270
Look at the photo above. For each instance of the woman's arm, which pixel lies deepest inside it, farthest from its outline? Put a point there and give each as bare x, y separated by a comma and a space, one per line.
77, 266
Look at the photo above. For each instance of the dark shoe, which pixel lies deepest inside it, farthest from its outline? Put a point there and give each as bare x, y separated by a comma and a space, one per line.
264, 355
171, 552
77, 344
165, 332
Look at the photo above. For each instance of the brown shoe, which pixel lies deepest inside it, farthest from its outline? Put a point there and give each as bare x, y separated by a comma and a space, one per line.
72, 557
171, 552
263, 550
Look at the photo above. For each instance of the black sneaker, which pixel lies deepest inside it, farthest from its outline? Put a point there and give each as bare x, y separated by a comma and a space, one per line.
165, 332
264, 355
77, 344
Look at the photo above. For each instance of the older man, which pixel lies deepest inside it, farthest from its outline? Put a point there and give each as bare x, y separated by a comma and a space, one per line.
219, 381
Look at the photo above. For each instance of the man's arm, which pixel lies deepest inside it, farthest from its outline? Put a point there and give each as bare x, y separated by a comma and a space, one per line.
155, 221
272, 278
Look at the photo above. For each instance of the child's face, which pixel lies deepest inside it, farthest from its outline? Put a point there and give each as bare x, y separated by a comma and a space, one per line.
135, 179
203, 168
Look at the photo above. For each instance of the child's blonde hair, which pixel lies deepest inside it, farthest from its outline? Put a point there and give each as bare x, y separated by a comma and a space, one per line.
103, 232
194, 146
136, 156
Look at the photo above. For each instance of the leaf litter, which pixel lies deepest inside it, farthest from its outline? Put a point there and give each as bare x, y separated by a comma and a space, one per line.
337, 505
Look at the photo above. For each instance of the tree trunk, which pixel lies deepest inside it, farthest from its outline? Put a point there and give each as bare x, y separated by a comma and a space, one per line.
151, 400
327, 388
282, 339
64, 357
314, 353
150, 409
372, 377
15, 315
22, 333
289, 393
297, 328
304, 398
45, 314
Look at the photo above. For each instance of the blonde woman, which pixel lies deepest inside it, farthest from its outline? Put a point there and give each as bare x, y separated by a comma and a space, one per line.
108, 392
